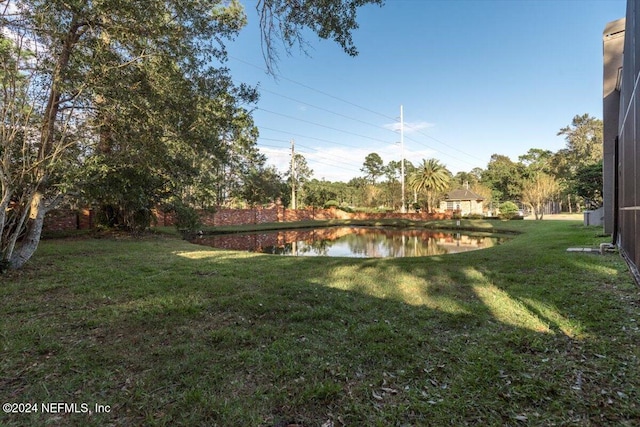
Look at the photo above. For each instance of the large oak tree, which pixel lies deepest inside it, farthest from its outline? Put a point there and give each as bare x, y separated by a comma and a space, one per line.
102, 95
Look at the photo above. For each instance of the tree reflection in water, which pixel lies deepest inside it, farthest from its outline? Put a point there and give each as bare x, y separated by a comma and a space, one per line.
360, 242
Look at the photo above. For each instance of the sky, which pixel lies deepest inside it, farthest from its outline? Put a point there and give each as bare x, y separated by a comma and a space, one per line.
474, 78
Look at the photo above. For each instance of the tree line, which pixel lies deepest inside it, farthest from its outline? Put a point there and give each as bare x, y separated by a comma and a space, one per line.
570, 179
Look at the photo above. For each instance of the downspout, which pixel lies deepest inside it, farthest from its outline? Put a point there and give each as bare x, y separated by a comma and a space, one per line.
616, 202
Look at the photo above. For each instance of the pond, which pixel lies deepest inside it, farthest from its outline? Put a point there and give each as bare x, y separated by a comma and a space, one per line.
357, 242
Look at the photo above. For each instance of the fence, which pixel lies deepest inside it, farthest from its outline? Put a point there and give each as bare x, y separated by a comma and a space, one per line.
83, 219
277, 213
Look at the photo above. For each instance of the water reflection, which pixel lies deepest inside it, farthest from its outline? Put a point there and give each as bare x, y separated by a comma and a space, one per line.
359, 242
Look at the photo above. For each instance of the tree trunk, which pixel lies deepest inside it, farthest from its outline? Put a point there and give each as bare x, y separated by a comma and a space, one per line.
29, 242
18, 252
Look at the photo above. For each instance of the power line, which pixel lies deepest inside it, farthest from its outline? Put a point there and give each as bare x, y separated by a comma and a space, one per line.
314, 89
344, 144
443, 143
377, 127
324, 126
448, 146
327, 110
314, 155
308, 137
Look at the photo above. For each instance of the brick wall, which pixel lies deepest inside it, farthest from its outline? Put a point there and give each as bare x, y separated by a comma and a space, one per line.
277, 213
68, 219
241, 216
83, 219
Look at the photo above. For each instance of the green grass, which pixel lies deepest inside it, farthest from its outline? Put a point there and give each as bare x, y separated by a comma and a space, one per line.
169, 333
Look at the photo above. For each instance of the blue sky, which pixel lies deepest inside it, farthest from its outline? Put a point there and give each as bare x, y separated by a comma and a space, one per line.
474, 77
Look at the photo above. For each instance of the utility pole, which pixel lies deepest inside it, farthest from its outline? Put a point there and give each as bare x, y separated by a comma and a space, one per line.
403, 209
294, 204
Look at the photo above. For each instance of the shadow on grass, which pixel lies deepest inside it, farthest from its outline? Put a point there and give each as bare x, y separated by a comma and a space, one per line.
522, 333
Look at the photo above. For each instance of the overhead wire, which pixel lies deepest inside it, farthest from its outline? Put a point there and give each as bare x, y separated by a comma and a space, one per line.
313, 89
334, 163
324, 126
308, 137
394, 119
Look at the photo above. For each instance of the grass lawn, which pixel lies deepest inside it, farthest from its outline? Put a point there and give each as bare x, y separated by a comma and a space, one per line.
168, 333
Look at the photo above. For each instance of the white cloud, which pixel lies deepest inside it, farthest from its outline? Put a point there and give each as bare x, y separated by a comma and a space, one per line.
409, 127
278, 157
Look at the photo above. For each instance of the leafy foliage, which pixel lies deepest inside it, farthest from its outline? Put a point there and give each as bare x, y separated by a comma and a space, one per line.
127, 103
187, 218
285, 20
508, 210
538, 190
432, 178
504, 177
587, 184
373, 167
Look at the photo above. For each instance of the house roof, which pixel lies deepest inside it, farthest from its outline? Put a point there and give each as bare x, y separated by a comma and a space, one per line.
462, 194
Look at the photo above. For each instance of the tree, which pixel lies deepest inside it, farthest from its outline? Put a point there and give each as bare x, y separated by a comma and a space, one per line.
536, 160
373, 167
356, 191
317, 193
584, 141
298, 174
262, 185
110, 77
587, 184
584, 147
539, 190
463, 178
80, 50
504, 177
430, 177
393, 171
285, 20
171, 147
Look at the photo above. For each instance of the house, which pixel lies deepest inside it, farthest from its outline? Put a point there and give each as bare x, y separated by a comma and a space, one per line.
621, 119
463, 201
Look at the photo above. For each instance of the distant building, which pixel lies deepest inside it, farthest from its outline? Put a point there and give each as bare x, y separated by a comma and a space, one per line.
463, 201
621, 119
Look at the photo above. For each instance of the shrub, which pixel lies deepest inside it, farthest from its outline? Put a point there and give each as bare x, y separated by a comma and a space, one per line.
475, 216
331, 204
187, 220
508, 210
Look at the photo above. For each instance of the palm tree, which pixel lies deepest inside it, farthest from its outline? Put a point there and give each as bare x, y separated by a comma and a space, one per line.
432, 177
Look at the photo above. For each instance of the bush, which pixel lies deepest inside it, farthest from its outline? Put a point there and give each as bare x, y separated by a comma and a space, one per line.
508, 210
475, 216
187, 220
331, 204
124, 217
